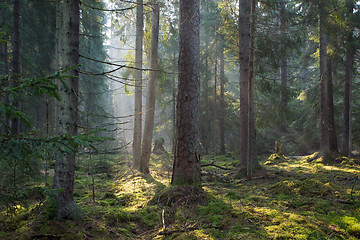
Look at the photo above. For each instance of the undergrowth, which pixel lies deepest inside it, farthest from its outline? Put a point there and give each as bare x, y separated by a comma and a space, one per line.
289, 198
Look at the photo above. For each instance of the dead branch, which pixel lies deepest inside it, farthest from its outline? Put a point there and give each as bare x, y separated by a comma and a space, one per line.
212, 164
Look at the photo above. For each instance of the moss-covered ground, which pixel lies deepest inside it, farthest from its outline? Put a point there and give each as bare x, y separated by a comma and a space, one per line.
289, 198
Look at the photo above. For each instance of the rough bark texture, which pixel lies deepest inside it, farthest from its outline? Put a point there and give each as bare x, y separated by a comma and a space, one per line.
332, 128
16, 60
222, 102
324, 133
347, 97
283, 64
151, 93
186, 168
138, 84
67, 112
252, 162
244, 52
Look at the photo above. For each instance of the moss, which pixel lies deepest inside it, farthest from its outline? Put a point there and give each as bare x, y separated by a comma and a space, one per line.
348, 161
354, 230
307, 187
277, 157
233, 195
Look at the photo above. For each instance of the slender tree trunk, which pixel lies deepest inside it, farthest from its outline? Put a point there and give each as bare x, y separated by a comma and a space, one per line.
283, 64
222, 101
252, 162
244, 52
5, 72
213, 112
207, 118
4, 59
324, 132
138, 84
332, 128
174, 102
57, 60
186, 168
68, 115
151, 94
16, 60
347, 96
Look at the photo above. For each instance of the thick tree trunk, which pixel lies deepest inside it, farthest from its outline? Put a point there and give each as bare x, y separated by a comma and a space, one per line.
324, 132
186, 168
151, 94
347, 96
138, 84
222, 101
283, 65
16, 60
244, 52
332, 128
68, 115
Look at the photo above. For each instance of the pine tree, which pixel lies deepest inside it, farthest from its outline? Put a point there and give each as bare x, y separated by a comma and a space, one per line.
151, 93
186, 168
68, 110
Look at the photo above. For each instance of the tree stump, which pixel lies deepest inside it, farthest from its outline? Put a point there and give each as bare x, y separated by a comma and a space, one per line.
159, 146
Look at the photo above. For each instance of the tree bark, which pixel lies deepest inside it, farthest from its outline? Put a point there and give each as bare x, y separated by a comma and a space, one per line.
16, 60
138, 84
252, 162
324, 132
174, 102
283, 65
68, 114
222, 101
244, 52
347, 96
332, 128
206, 137
186, 168
151, 94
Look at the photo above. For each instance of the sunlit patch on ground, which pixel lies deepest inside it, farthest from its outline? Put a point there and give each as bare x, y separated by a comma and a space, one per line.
291, 198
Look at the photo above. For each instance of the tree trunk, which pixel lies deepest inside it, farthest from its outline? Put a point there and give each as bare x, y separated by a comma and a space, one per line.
138, 84
151, 94
206, 137
324, 132
16, 62
213, 109
68, 114
222, 101
4, 74
252, 162
174, 102
283, 65
244, 52
186, 168
332, 128
347, 96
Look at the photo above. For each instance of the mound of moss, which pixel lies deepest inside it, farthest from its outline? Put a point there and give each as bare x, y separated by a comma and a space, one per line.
276, 158
307, 187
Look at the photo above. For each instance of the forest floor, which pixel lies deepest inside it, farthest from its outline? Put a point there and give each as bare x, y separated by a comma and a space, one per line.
289, 198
